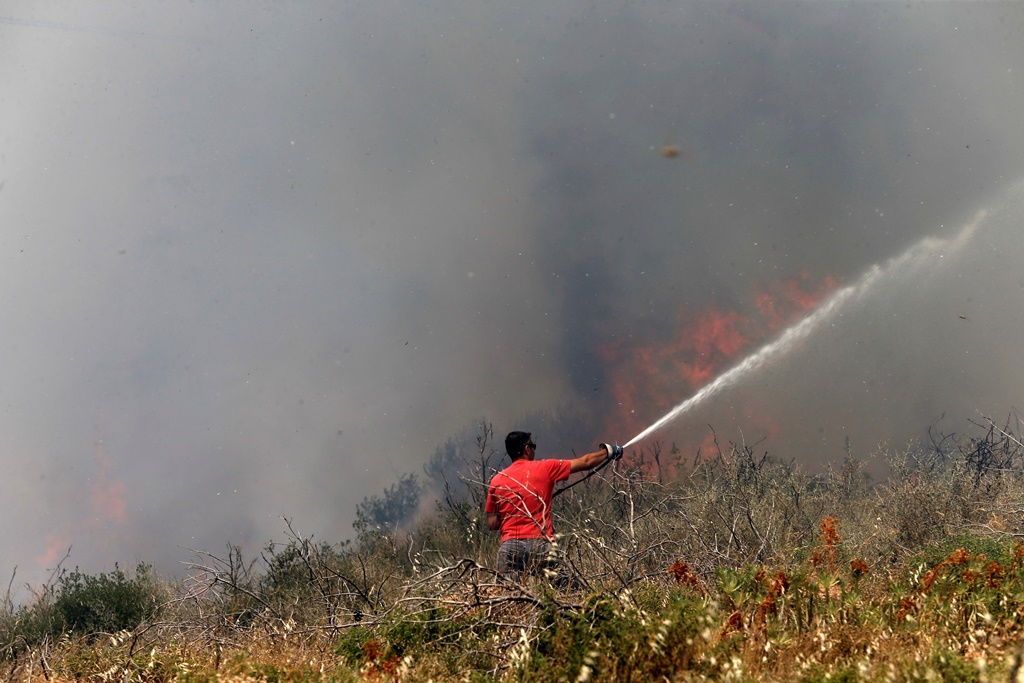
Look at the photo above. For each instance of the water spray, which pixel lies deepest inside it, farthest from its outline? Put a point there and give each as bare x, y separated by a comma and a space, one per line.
926, 249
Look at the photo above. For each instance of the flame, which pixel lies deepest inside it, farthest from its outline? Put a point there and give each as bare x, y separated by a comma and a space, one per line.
55, 545
108, 499
782, 303
107, 504
647, 380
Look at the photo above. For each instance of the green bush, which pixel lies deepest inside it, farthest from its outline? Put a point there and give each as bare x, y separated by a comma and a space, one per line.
351, 645
613, 638
106, 603
84, 605
999, 548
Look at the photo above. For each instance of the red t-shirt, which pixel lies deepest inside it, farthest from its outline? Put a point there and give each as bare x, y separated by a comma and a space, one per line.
521, 495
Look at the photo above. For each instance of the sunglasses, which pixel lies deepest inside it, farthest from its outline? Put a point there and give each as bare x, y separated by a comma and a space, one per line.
532, 445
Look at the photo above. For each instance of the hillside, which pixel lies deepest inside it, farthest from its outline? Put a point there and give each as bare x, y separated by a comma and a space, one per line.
736, 566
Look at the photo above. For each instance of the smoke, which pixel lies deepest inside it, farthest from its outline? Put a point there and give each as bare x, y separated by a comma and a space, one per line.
876, 286
256, 261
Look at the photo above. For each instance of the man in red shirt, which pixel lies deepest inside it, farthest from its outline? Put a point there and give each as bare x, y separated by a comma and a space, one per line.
519, 504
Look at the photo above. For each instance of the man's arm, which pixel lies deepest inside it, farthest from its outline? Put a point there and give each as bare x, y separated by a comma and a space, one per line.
493, 521
491, 508
588, 461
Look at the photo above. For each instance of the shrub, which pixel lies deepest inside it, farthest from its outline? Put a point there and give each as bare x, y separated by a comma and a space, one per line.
351, 645
106, 603
739, 567
85, 605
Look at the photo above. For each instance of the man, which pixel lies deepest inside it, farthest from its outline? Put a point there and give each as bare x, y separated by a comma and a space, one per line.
519, 505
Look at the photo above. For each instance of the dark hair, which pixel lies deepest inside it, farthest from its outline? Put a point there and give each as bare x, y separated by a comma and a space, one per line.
515, 443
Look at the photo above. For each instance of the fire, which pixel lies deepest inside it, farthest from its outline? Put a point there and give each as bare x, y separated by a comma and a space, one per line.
108, 499
648, 380
713, 337
55, 545
106, 505
782, 303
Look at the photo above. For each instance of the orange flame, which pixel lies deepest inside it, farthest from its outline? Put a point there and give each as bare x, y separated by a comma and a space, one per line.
107, 505
782, 303
647, 380
108, 499
55, 545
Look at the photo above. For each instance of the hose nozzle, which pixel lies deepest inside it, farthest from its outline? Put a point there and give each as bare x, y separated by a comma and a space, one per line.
614, 450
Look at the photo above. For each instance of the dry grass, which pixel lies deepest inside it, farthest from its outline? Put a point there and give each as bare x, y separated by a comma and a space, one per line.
741, 568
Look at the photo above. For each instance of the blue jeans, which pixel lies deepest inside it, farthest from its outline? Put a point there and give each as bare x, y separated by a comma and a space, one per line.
520, 557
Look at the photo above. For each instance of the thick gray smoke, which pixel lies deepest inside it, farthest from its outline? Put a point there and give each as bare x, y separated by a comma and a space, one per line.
256, 261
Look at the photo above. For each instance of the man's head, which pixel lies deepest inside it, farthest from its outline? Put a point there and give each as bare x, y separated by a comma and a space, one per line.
519, 445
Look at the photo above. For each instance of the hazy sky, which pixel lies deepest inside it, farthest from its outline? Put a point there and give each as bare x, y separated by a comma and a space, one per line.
257, 259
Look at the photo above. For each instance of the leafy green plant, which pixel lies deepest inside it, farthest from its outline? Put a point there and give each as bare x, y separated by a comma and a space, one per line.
81, 604
351, 644
106, 603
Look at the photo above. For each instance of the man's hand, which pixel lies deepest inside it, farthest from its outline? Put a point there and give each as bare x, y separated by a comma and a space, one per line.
614, 451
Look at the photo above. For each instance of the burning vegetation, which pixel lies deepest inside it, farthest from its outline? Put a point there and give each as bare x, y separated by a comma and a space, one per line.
645, 379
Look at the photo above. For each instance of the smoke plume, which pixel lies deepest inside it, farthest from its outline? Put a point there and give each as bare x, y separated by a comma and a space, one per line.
257, 260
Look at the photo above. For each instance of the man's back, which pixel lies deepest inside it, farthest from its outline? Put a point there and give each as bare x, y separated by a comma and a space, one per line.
521, 495
519, 504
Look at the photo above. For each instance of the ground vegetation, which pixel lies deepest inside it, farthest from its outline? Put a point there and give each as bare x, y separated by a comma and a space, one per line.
729, 565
